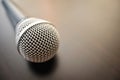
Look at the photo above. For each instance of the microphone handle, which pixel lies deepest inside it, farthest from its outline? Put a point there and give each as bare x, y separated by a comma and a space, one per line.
13, 13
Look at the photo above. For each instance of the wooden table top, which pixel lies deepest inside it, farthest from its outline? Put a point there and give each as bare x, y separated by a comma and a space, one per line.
89, 41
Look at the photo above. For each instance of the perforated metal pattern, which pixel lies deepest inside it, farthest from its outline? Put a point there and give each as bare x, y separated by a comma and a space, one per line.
39, 43
26, 23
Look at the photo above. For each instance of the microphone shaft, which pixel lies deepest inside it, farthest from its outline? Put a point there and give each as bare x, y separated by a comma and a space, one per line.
14, 14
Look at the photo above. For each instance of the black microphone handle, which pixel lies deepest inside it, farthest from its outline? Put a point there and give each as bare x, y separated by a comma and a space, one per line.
13, 13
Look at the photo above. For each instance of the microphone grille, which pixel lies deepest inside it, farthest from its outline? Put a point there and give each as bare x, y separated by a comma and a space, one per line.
39, 43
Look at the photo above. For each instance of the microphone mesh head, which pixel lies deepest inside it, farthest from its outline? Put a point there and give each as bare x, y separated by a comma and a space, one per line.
39, 42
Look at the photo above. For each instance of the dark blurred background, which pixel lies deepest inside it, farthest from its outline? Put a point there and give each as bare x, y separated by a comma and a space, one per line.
89, 41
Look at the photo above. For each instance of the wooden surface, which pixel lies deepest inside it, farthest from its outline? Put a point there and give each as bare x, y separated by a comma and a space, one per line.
89, 41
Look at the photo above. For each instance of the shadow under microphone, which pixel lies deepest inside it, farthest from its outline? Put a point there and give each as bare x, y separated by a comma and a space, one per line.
37, 40
44, 69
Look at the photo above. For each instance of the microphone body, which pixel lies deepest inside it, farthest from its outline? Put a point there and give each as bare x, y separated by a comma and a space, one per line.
14, 14
37, 40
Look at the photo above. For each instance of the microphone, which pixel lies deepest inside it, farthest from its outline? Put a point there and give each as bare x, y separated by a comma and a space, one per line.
37, 40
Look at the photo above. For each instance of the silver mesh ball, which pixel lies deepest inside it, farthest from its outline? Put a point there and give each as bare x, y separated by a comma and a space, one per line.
39, 43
